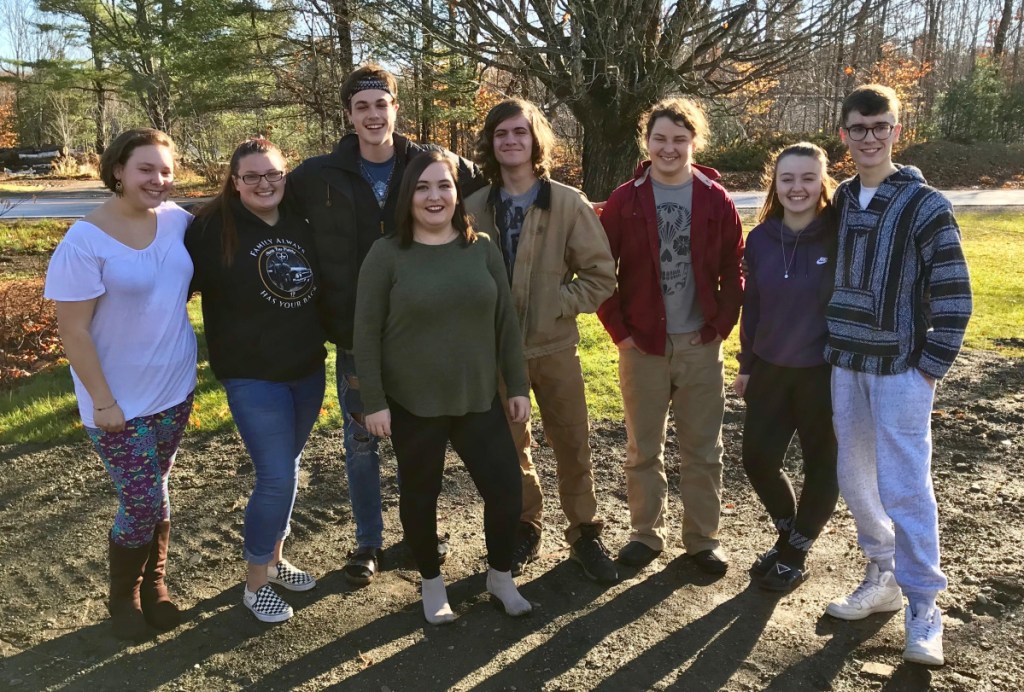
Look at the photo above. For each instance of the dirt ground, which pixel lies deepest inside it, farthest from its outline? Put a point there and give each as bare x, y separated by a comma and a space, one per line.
666, 627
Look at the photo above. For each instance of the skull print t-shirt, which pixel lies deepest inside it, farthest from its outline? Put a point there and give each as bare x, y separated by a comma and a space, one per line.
674, 204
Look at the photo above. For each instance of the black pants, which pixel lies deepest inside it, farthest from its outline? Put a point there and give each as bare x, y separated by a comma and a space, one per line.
484, 443
780, 401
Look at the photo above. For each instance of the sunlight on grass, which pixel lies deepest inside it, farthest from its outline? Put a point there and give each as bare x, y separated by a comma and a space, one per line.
20, 188
31, 236
43, 410
994, 246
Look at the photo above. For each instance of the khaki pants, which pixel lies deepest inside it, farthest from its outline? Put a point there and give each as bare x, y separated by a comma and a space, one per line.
557, 383
690, 379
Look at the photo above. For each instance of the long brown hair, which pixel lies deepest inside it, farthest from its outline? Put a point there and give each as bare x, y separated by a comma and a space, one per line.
772, 207
229, 192
540, 130
403, 209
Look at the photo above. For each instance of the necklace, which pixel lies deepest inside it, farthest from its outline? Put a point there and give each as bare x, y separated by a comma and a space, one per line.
379, 187
786, 264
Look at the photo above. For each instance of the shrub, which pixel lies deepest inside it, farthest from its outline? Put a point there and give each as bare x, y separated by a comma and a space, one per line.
981, 107
751, 154
65, 167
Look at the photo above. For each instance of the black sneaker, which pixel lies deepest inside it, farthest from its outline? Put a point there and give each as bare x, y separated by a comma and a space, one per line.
589, 551
527, 548
637, 554
362, 566
711, 561
782, 577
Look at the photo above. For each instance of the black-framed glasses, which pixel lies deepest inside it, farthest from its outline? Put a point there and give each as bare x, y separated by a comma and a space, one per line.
881, 131
254, 178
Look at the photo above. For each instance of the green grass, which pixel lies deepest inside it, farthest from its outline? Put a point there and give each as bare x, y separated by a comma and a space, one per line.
31, 236
994, 245
20, 188
42, 410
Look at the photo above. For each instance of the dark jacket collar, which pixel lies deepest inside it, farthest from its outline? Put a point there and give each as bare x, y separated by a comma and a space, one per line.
543, 200
346, 156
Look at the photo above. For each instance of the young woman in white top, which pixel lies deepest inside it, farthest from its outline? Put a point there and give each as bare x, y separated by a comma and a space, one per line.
120, 278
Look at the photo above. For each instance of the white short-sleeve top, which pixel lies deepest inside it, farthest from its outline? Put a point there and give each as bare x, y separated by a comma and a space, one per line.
140, 327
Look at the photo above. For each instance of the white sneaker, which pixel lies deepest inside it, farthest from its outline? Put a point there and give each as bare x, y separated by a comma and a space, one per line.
266, 605
924, 637
289, 576
878, 593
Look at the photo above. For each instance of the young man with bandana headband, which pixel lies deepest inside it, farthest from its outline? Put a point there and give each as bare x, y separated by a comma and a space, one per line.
348, 196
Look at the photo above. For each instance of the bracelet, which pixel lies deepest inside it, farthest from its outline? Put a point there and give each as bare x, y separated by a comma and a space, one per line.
97, 408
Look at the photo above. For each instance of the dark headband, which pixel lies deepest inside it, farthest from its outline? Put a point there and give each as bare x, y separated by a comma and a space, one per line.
370, 83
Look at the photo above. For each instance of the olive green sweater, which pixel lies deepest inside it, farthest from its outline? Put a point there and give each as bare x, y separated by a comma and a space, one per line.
434, 325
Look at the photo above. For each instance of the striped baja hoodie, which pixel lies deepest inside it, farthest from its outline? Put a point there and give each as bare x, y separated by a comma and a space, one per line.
903, 294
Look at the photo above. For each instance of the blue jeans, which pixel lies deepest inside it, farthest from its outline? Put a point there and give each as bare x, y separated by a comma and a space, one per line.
274, 420
362, 459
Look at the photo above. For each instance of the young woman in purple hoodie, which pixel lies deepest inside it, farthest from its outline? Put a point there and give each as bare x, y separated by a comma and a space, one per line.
783, 376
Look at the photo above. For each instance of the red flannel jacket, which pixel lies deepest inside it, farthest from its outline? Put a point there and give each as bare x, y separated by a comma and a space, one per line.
637, 308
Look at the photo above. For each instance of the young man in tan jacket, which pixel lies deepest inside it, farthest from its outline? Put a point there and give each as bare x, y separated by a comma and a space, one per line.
559, 265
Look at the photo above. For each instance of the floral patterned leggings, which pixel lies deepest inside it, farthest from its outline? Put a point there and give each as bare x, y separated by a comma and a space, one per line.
139, 460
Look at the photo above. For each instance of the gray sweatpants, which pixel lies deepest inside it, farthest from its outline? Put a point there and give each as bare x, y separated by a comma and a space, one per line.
883, 428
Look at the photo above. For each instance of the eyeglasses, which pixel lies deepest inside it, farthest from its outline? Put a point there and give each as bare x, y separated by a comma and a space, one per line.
881, 131
254, 178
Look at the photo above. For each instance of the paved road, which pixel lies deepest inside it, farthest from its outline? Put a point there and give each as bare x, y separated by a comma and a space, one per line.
71, 207
58, 207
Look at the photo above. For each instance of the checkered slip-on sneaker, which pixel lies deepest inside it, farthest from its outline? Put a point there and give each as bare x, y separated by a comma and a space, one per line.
266, 605
290, 577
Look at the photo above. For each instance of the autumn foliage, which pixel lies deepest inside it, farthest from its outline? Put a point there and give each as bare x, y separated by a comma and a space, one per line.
28, 331
7, 136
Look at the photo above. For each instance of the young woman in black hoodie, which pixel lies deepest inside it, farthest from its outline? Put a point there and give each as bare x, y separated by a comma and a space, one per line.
255, 269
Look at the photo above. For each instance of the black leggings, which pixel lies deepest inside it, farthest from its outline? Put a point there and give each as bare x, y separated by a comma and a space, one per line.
484, 443
780, 401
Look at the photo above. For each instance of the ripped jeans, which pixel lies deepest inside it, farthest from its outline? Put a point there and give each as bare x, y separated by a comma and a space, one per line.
362, 459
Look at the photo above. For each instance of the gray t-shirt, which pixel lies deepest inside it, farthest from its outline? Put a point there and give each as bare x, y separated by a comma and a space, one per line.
674, 204
511, 214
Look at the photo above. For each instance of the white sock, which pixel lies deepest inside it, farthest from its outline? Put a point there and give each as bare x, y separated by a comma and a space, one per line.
436, 609
501, 586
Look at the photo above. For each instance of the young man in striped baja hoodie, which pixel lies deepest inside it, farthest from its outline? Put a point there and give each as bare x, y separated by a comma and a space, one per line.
896, 323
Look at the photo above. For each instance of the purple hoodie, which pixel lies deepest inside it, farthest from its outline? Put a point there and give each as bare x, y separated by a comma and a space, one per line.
783, 320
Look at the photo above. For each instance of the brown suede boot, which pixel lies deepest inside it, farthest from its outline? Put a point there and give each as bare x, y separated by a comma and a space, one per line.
126, 568
157, 607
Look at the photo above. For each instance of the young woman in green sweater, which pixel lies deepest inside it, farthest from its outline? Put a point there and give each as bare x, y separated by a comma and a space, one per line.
435, 327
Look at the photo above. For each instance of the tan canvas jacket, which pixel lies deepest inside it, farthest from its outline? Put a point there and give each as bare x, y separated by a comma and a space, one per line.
563, 265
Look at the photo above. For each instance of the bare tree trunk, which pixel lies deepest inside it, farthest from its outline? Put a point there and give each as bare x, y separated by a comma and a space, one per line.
1016, 44
344, 58
929, 54
100, 110
610, 151
999, 42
